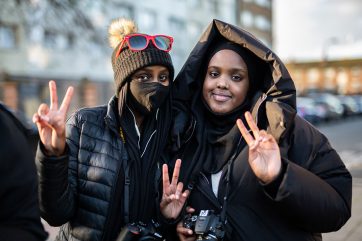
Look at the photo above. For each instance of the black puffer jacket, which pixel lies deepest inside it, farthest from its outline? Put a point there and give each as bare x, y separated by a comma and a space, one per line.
313, 193
84, 189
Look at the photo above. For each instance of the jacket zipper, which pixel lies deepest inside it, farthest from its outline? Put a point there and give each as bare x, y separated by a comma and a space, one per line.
111, 206
263, 98
106, 231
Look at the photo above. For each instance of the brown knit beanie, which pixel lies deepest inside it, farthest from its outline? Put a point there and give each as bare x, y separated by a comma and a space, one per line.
128, 61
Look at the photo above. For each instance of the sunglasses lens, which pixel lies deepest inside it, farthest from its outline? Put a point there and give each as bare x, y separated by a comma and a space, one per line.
137, 42
163, 42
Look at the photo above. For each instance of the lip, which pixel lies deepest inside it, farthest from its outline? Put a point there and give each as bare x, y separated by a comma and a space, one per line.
220, 97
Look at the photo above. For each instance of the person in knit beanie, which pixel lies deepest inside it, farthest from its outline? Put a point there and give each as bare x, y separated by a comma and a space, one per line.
100, 170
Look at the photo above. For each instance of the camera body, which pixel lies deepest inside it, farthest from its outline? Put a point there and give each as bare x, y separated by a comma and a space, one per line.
140, 232
206, 225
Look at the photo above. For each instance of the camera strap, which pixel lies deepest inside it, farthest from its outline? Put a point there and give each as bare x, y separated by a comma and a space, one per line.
228, 178
127, 182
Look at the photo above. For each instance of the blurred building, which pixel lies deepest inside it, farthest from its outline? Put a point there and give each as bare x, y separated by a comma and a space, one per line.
43, 40
337, 76
256, 17
66, 40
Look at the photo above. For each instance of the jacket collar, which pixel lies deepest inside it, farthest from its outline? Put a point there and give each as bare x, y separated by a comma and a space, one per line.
111, 118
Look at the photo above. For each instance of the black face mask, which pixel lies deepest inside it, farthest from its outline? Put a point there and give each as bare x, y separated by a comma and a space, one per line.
146, 97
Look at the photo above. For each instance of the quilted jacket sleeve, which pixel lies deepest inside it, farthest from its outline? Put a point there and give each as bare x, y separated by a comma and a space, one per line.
316, 188
58, 178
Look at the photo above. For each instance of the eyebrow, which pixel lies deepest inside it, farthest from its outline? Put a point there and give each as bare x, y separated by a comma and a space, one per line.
150, 68
232, 69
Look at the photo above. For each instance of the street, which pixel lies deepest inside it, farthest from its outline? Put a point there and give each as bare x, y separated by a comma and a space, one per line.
346, 137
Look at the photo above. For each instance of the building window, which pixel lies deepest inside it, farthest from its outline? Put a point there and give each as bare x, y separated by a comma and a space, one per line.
247, 19
147, 21
342, 81
7, 36
54, 40
195, 3
313, 77
262, 23
263, 3
212, 6
178, 25
194, 29
70, 40
50, 39
123, 10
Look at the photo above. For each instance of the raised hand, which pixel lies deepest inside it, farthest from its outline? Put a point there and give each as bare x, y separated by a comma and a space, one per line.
173, 199
51, 121
264, 153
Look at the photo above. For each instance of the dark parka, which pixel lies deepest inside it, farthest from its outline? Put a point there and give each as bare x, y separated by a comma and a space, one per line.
313, 193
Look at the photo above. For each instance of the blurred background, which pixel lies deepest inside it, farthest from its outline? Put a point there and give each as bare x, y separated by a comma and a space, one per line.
320, 41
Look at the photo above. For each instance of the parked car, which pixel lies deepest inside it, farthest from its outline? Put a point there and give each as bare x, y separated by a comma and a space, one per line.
311, 111
358, 99
350, 106
332, 104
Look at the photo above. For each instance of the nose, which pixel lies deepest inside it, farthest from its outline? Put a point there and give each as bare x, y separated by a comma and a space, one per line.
155, 79
222, 83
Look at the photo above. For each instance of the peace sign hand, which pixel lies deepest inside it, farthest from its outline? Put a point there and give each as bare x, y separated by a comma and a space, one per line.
173, 199
264, 153
51, 121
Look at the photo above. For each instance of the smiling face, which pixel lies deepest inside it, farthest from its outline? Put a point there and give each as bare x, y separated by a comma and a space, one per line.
226, 83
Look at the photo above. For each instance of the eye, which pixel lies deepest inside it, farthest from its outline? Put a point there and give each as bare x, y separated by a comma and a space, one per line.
236, 77
163, 77
213, 74
143, 77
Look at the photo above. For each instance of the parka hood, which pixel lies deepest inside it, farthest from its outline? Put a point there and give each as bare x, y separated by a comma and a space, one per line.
277, 92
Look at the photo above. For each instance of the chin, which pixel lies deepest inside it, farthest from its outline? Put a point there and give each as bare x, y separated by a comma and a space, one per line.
220, 110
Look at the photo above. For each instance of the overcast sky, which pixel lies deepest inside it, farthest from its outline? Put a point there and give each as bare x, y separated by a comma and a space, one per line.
302, 29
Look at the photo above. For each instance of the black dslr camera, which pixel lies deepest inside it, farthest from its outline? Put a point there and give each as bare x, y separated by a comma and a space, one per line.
206, 225
140, 231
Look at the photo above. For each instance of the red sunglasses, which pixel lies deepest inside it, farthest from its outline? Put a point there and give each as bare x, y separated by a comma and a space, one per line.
138, 42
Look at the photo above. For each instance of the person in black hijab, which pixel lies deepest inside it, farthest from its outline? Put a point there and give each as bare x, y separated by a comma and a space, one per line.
265, 173
101, 170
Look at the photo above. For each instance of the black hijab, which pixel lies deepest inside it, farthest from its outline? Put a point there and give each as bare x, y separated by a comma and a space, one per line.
217, 135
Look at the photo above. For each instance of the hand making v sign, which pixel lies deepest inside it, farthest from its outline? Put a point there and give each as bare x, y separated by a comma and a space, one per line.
264, 153
51, 121
173, 199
